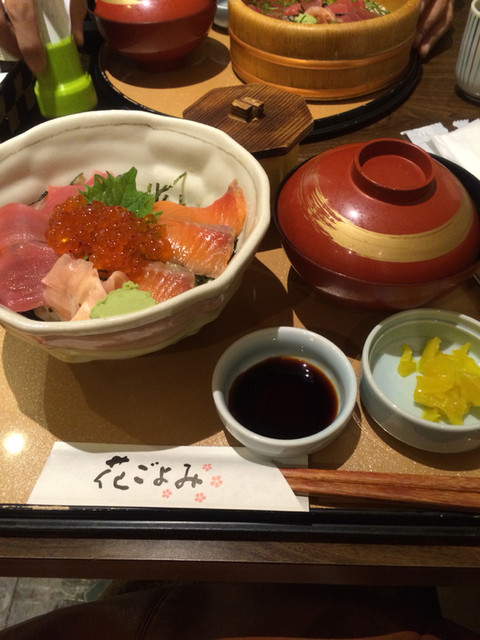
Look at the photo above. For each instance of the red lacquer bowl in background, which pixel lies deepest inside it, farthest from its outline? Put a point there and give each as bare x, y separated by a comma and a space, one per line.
379, 224
163, 32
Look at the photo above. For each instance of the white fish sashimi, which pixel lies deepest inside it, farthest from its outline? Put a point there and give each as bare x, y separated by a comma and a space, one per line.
73, 287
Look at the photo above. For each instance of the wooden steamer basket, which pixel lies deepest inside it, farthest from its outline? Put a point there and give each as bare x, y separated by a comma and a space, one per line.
323, 61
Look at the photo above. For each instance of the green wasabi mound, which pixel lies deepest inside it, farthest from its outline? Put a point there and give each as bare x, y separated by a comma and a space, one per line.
125, 300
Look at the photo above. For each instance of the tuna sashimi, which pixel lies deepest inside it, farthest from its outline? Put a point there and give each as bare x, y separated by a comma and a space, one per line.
58, 194
165, 280
21, 223
205, 249
293, 9
230, 210
22, 267
72, 287
348, 11
323, 12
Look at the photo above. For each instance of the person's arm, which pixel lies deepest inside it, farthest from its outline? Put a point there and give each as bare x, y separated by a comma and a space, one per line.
435, 19
19, 32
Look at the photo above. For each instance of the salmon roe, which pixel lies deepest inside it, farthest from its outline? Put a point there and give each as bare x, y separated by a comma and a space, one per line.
111, 237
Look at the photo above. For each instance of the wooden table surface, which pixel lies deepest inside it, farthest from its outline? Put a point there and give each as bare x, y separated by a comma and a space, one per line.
321, 558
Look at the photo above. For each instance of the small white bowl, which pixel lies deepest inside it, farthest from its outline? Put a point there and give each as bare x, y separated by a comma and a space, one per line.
388, 397
161, 148
291, 342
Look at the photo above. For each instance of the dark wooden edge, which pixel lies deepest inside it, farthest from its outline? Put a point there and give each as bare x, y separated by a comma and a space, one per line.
372, 525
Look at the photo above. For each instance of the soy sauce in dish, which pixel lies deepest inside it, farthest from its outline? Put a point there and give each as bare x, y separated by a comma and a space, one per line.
283, 397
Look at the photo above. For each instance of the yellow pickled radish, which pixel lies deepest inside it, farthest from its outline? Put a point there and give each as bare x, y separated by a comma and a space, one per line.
407, 364
429, 353
432, 414
449, 384
471, 384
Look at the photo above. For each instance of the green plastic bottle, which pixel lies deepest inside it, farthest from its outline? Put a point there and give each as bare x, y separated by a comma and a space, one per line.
64, 87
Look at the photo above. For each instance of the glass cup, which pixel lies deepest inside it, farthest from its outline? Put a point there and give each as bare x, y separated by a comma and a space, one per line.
468, 63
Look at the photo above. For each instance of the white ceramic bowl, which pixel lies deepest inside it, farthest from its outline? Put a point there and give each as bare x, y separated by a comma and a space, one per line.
161, 148
388, 397
291, 342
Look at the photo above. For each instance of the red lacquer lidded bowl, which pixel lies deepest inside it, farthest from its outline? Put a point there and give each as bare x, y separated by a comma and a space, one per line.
382, 212
154, 31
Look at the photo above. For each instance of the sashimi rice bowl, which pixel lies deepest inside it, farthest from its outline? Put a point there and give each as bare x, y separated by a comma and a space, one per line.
122, 232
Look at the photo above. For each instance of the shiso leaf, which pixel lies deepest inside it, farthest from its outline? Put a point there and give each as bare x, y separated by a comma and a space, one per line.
120, 190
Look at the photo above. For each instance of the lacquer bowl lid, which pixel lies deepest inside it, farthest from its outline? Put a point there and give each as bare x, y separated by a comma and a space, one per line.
382, 211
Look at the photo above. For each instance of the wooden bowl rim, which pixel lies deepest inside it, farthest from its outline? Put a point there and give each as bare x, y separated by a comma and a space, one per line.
345, 28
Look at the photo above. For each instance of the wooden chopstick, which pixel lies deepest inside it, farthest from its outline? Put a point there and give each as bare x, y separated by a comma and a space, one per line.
445, 491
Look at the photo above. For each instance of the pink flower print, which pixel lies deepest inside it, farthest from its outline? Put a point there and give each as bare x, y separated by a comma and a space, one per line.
200, 497
166, 493
216, 481
207, 466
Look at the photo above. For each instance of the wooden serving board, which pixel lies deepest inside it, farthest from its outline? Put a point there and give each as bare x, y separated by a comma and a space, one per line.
165, 398
128, 84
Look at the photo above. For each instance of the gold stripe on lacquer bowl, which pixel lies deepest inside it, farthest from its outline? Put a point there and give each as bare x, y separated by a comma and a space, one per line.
383, 247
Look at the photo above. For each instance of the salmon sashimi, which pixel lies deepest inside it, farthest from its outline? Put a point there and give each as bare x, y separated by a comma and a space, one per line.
60, 286
164, 280
204, 248
230, 210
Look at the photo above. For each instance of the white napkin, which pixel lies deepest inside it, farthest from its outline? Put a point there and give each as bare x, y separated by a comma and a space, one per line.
462, 145
172, 477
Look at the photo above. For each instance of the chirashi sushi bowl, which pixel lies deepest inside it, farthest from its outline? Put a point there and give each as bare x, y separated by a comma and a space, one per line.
334, 60
195, 168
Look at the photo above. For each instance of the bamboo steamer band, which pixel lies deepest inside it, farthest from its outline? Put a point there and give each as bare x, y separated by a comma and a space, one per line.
312, 93
340, 60
246, 59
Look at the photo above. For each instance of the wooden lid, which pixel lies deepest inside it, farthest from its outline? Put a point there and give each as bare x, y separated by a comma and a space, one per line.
265, 120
